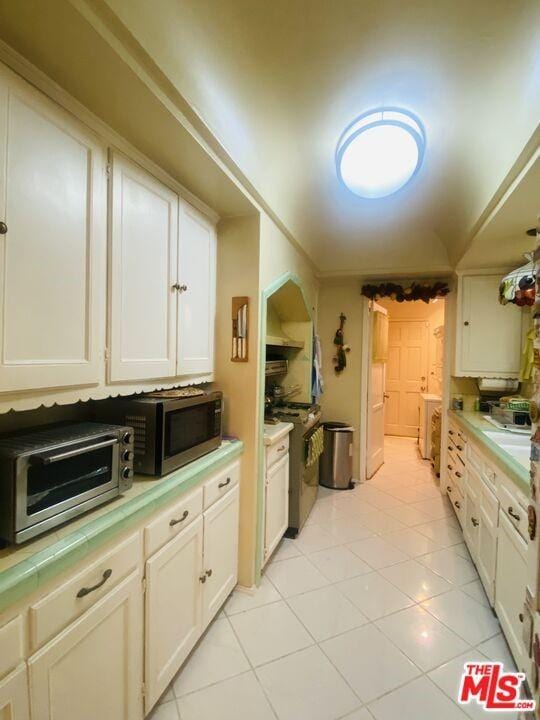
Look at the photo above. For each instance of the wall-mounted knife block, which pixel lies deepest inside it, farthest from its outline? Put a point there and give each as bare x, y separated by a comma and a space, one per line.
240, 326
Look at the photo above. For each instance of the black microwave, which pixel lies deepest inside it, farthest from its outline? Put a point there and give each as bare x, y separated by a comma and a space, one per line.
168, 432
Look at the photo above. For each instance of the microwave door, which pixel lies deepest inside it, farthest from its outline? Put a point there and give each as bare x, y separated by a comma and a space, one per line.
189, 432
51, 482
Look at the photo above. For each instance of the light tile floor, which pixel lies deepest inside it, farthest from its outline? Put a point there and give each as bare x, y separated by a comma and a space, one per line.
369, 614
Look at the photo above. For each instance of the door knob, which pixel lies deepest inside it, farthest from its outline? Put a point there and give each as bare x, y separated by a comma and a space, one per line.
3, 228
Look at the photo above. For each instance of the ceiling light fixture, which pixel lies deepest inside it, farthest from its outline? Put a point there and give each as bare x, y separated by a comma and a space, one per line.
380, 152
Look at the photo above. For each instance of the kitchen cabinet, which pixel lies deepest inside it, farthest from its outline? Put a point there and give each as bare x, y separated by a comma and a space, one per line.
510, 583
143, 273
197, 292
14, 695
173, 607
488, 336
276, 503
52, 243
486, 555
220, 553
93, 669
472, 512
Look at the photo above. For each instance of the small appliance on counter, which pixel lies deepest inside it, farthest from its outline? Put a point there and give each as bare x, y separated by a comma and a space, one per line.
493, 389
511, 413
171, 427
54, 473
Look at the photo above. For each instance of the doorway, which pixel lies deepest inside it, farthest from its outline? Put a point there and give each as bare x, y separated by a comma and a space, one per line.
405, 377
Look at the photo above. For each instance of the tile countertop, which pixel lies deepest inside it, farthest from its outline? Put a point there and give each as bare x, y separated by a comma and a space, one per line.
273, 433
475, 425
23, 568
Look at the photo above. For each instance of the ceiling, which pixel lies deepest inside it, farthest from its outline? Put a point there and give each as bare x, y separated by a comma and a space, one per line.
278, 81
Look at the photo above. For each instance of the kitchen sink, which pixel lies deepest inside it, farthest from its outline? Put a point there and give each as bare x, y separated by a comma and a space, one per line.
517, 446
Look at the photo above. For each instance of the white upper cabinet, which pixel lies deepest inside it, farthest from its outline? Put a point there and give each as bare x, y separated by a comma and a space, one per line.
197, 292
143, 271
488, 333
53, 254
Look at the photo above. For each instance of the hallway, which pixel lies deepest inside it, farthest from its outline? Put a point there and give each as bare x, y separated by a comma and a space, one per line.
370, 613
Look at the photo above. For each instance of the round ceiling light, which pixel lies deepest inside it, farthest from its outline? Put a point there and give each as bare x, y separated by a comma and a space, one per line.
380, 152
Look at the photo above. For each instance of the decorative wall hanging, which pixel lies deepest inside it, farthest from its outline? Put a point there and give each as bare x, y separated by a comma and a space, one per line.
340, 359
240, 321
414, 291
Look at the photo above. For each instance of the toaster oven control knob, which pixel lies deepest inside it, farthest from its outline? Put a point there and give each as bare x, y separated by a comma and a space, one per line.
127, 473
127, 456
127, 438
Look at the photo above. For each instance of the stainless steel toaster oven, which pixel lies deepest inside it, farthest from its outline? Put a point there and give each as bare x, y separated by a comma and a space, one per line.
53, 473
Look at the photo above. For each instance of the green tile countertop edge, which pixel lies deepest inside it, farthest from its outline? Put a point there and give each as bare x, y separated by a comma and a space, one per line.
474, 424
23, 578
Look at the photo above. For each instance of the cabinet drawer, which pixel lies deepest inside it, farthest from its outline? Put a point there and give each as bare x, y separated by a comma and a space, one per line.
490, 504
277, 451
475, 458
80, 592
458, 475
515, 509
171, 521
11, 643
221, 483
458, 504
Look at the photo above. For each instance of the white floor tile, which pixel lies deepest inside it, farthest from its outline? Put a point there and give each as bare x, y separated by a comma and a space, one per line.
450, 566
348, 528
167, 696
419, 700
379, 522
383, 501
286, 549
339, 563
425, 640
377, 552
415, 580
242, 600
362, 714
306, 685
406, 494
326, 612
408, 515
411, 542
436, 508
269, 632
217, 657
458, 611
369, 662
374, 595
295, 576
497, 650
476, 590
323, 512
240, 698
441, 533
165, 711
315, 537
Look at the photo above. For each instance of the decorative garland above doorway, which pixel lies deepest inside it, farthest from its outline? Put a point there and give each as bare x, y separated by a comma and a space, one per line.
406, 293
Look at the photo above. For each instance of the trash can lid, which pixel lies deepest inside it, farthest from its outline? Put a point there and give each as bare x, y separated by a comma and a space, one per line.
337, 427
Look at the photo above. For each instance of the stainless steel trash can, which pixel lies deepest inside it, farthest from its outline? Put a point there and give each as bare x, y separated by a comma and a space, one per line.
335, 464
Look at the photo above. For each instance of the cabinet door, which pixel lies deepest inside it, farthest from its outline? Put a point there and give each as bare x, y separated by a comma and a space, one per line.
276, 506
143, 267
220, 555
14, 696
197, 295
53, 256
510, 583
472, 513
489, 334
487, 554
93, 669
173, 608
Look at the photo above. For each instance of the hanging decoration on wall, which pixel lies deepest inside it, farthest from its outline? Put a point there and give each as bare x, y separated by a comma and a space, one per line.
340, 359
518, 286
414, 291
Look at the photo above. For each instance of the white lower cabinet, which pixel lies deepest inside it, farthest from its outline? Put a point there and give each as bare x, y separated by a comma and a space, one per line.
472, 512
93, 669
173, 608
510, 583
276, 503
486, 557
14, 695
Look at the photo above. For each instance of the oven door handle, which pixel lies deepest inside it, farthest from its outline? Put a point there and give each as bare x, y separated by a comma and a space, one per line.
53, 456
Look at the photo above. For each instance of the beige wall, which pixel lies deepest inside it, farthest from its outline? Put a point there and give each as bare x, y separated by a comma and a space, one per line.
341, 398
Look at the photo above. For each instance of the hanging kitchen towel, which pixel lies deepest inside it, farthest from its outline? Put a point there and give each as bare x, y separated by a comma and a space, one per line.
315, 446
527, 357
317, 387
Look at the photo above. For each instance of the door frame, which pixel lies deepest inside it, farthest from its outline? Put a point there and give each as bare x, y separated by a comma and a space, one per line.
366, 352
373, 307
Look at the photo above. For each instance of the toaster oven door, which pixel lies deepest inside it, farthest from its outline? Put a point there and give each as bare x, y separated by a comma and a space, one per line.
51, 483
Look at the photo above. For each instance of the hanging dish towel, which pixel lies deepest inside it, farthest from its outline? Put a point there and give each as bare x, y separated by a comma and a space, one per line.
527, 357
314, 446
317, 387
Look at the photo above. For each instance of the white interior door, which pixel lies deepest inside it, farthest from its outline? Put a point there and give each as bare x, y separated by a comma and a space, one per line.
143, 247
406, 376
197, 295
376, 400
53, 255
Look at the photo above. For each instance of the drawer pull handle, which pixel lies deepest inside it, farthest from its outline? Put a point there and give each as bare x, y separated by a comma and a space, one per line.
450, 447
450, 432
449, 467
87, 590
460, 447
521, 617
449, 488
281, 448
205, 575
209, 573
457, 504
176, 521
458, 474
475, 522
513, 514
224, 484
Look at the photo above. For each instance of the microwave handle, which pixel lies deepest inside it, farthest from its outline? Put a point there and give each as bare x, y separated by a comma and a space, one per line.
47, 458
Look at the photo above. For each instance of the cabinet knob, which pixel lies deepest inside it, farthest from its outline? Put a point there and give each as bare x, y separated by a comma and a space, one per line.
466, 323
475, 522
457, 504
182, 288
3, 228
449, 488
